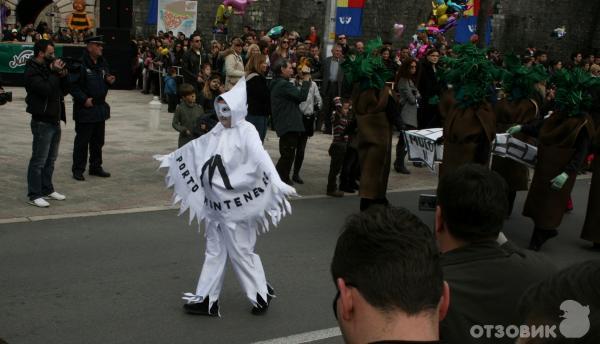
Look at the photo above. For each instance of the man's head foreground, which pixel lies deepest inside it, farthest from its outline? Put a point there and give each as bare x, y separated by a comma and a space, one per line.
386, 267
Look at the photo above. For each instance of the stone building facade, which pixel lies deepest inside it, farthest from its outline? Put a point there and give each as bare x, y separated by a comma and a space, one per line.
516, 23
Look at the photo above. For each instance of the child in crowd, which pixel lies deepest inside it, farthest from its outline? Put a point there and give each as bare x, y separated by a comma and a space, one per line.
171, 89
212, 88
337, 150
186, 115
350, 174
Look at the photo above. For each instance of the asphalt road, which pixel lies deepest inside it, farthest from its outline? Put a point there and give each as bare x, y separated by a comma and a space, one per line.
119, 278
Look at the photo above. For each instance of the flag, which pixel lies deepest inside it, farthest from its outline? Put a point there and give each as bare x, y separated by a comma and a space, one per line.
348, 21
467, 26
351, 3
474, 4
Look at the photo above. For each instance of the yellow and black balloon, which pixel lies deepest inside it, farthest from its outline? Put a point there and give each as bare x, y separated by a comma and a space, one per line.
79, 19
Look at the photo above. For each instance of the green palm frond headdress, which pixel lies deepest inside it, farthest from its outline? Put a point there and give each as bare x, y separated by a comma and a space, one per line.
572, 90
518, 81
471, 74
367, 68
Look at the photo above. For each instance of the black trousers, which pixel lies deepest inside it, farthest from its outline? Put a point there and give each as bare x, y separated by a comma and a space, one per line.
88, 136
300, 149
288, 145
337, 151
350, 170
328, 107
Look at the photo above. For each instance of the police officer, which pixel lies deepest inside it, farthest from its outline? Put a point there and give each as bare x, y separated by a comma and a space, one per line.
90, 110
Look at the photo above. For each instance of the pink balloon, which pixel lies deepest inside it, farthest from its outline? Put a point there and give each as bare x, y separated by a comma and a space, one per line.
238, 5
398, 30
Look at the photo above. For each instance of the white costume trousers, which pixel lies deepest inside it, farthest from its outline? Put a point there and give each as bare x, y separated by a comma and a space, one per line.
238, 244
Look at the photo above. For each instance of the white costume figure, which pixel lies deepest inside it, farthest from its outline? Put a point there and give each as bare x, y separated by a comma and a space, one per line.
227, 180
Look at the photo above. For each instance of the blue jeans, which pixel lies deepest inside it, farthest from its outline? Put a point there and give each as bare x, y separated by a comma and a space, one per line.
44, 150
260, 123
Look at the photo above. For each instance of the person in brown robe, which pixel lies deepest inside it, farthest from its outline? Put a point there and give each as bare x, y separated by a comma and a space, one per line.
591, 227
469, 119
509, 113
374, 106
563, 143
468, 136
374, 144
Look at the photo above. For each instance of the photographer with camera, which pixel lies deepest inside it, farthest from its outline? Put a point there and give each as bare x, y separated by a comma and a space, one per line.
46, 85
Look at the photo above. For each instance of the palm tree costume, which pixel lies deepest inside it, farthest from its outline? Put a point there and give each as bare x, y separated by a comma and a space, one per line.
522, 105
563, 143
371, 100
470, 125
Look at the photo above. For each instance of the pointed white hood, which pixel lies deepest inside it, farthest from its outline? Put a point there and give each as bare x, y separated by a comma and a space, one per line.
236, 98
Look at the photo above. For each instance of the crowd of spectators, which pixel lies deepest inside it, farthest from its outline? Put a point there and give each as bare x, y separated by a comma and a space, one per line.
31, 34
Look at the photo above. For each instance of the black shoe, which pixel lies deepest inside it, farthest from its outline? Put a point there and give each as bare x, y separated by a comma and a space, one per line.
400, 168
418, 164
201, 308
262, 306
288, 182
99, 173
539, 237
78, 176
297, 179
347, 188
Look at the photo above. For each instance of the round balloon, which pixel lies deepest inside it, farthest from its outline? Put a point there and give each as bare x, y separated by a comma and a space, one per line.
275, 32
238, 5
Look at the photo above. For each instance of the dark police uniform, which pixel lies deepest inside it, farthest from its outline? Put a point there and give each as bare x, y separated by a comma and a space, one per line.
90, 82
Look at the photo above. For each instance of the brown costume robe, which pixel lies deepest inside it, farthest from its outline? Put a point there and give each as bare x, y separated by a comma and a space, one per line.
591, 228
374, 141
509, 113
468, 134
556, 142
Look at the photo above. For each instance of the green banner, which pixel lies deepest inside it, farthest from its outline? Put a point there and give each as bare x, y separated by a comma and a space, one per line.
13, 57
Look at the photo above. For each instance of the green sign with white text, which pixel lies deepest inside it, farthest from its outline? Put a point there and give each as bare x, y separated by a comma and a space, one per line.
13, 57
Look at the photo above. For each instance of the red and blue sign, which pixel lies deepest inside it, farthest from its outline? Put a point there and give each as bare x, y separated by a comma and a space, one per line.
349, 17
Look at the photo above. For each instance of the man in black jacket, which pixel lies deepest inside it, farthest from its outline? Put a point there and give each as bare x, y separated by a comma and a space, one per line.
192, 61
486, 278
46, 84
286, 114
90, 110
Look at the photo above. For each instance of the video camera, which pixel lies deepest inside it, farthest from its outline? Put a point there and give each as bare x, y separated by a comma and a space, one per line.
73, 65
5, 97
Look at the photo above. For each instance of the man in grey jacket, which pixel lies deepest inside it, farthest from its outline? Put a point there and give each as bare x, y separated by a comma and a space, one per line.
287, 117
333, 79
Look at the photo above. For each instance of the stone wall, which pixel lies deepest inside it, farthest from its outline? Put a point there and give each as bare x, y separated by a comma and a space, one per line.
515, 23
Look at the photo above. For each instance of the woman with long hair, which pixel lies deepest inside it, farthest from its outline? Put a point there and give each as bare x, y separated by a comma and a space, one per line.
259, 95
282, 51
408, 95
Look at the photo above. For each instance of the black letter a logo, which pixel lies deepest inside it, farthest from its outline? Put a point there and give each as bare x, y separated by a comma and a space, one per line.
213, 163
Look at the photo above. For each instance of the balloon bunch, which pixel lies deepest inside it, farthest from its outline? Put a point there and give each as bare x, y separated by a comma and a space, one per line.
445, 15
226, 10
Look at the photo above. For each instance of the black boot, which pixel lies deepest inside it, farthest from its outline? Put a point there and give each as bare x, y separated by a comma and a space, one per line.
201, 308
400, 168
540, 236
400, 155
